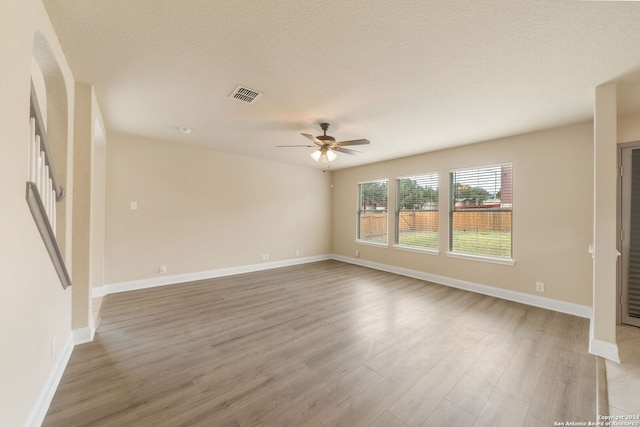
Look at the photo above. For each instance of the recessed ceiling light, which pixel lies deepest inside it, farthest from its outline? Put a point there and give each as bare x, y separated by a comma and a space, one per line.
186, 130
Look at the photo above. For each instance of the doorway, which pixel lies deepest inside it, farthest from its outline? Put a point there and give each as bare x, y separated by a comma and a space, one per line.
629, 209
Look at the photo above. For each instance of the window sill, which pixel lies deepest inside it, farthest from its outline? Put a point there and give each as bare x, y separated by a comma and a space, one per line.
418, 250
365, 242
481, 258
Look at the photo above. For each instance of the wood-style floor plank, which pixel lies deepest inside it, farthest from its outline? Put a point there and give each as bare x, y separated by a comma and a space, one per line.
325, 344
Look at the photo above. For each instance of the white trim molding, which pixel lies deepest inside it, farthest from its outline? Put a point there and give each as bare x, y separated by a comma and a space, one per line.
604, 349
598, 347
84, 335
482, 258
98, 291
416, 249
39, 411
533, 300
133, 285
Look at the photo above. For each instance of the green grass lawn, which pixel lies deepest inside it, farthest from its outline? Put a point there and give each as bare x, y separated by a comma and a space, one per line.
420, 239
470, 242
376, 239
490, 243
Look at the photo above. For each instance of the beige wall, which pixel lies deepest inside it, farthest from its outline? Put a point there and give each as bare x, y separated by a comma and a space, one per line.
201, 210
89, 206
98, 193
552, 212
629, 128
35, 312
605, 259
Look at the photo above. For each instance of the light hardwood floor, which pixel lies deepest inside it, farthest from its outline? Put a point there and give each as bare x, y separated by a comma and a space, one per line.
326, 344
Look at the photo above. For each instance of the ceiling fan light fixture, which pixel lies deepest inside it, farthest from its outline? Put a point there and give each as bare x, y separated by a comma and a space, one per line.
325, 155
326, 146
330, 155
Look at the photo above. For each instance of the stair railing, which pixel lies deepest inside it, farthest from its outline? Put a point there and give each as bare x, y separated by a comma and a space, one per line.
43, 189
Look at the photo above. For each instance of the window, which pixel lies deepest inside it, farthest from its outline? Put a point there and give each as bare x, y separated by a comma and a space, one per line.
480, 212
372, 211
417, 211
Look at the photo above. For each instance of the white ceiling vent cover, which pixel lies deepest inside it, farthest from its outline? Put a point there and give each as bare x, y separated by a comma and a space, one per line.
245, 94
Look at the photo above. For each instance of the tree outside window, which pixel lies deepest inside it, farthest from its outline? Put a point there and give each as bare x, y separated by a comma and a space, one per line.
372, 211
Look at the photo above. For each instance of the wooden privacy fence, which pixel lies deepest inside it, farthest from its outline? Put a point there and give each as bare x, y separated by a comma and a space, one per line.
418, 220
482, 221
375, 224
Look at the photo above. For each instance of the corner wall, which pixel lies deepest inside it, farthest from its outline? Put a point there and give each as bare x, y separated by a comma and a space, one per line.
35, 312
88, 210
200, 210
605, 254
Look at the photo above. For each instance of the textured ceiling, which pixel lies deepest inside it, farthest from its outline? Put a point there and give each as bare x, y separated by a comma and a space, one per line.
411, 76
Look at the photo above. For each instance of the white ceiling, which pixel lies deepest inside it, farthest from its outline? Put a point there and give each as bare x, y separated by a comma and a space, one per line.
411, 76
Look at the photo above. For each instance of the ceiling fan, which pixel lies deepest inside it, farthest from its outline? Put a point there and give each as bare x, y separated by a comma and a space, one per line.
327, 145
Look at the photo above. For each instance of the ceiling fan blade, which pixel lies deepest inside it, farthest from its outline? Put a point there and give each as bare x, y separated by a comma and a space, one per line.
353, 142
312, 138
309, 146
346, 151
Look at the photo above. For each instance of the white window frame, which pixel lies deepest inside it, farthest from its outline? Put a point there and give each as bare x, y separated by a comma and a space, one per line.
478, 256
359, 210
412, 248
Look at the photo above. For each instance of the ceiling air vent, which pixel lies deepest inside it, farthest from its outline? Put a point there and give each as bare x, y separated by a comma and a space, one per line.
245, 94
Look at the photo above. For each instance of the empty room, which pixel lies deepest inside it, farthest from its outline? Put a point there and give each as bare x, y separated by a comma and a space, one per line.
322, 213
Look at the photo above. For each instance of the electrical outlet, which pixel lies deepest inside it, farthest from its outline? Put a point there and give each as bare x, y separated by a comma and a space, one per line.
267, 257
357, 254
133, 206
297, 253
264, 257
539, 287
162, 269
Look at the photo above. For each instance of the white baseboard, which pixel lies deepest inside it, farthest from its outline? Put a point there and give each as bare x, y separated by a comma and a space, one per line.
534, 300
84, 335
598, 347
98, 291
605, 349
41, 407
132, 285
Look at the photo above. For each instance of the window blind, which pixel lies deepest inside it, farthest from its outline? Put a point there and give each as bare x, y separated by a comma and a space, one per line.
372, 211
481, 211
417, 211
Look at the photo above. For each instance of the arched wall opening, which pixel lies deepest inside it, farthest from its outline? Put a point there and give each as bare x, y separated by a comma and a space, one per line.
51, 89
